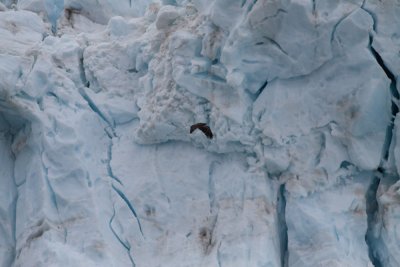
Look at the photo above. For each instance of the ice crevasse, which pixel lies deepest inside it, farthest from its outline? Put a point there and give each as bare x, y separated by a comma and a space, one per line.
98, 167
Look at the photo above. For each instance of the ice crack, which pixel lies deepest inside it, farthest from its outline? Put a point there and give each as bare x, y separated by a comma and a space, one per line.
14, 210
395, 95
109, 159
314, 7
110, 132
130, 206
373, 16
282, 226
94, 107
261, 89
82, 73
376, 248
126, 244
372, 208
88, 99
276, 44
219, 255
338, 23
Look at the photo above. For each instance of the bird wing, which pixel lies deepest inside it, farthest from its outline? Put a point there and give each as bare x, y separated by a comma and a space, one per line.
202, 127
196, 126
207, 131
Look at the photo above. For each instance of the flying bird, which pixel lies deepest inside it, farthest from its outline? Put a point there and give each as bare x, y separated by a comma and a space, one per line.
202, 127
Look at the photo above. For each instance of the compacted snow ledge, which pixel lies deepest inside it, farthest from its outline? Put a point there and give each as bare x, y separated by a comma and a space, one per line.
98, 167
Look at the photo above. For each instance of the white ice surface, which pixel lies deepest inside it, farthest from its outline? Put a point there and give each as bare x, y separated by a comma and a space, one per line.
98, 167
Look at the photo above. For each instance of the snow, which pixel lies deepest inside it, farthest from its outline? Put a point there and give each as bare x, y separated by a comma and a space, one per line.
98, 167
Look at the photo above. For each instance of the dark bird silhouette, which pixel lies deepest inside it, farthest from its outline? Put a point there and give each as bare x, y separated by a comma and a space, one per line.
202, 127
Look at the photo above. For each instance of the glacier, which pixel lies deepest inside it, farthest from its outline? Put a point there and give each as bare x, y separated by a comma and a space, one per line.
98, 167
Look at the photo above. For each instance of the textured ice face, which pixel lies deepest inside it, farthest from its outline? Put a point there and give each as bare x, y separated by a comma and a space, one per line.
98, 167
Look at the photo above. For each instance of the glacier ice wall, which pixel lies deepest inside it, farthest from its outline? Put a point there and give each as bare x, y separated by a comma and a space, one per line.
98, 167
